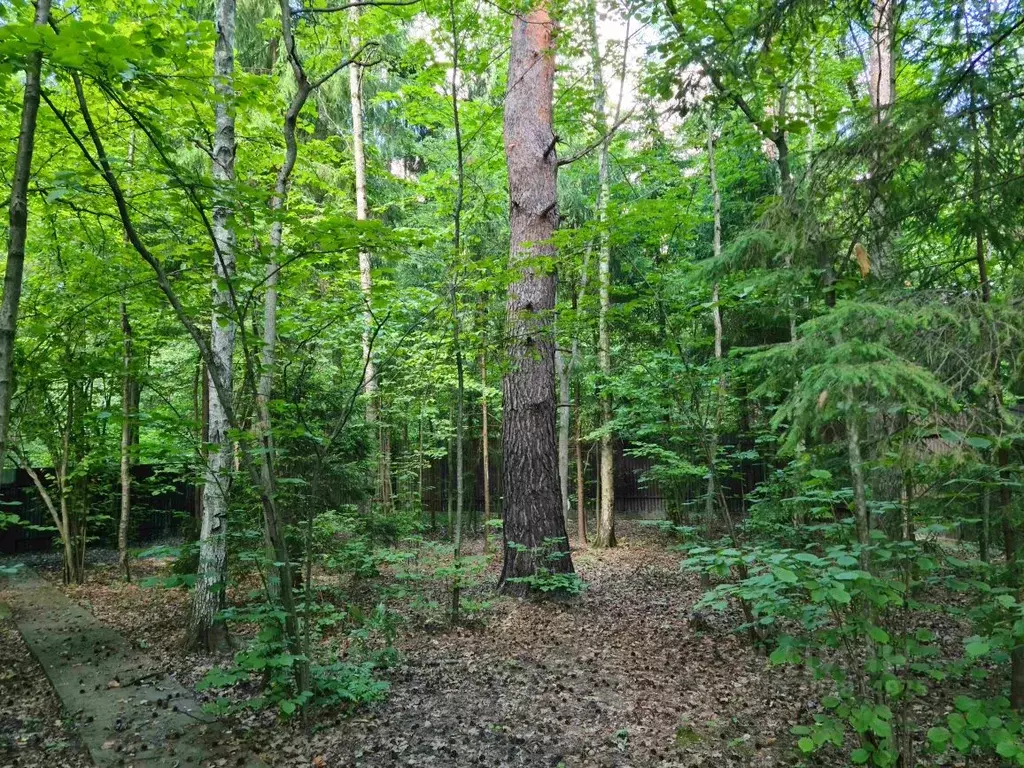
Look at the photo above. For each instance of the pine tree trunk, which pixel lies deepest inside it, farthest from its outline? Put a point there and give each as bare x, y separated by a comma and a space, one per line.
532, 509
203, 631
17, 232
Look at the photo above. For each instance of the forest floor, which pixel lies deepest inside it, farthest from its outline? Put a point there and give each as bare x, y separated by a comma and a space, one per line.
618, 676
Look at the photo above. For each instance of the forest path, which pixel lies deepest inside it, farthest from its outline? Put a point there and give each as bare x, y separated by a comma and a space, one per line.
127, 710
616, 678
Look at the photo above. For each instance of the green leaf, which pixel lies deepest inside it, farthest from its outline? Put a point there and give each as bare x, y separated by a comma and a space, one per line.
1007, 748
938, 736
859, 756
805, 744
977, 648
956, 722
878, 634
784, 575
893, 687
839, 594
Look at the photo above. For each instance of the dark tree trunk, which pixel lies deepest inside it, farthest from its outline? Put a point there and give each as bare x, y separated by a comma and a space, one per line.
532, 510
17, 232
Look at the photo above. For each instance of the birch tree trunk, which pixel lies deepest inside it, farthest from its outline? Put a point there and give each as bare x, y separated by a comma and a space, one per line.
881, 90
18, 228
485, 441
605, 534
563, 369
581, 508
532, 508
203, 631
716, 316
370, 383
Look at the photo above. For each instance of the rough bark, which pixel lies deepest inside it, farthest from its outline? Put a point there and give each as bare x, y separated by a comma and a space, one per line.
17, 232
533, 521
203, 631
129, 406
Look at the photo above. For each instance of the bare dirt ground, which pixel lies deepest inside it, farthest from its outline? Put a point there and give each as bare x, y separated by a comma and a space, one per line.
616, 677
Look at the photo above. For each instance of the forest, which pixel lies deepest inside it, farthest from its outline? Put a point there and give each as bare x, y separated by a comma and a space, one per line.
580, 383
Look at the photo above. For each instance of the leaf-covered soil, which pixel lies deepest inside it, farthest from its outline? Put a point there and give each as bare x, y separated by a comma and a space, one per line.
34, 729
622, 675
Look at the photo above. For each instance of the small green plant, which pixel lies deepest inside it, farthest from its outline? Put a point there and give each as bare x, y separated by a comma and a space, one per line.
546, 580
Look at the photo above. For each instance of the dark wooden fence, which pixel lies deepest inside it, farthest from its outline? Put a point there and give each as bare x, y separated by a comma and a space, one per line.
634, 496
160, 505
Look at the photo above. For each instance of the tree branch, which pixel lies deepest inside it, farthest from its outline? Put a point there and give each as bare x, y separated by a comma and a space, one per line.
607, 136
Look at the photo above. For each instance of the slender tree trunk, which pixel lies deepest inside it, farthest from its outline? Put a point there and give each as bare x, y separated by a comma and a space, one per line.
860, 503
881, 90
456, 323
983, 533
419, 460
203, 630
17, 232
532, 507
450, 475
265, 385
581, 509
485, 440
370, 382
128, 407
563, 371
716, 316
980, 234
605, 534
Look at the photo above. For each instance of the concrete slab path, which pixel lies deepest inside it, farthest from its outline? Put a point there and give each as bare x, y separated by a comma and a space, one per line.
127, 709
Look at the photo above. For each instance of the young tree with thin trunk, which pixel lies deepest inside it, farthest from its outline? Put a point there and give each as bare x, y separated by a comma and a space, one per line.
17, 232
563, 370
370, 382
532, 510
460, 185
716, 317
882, 93
605, 534
129, 414
203, 630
